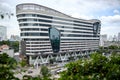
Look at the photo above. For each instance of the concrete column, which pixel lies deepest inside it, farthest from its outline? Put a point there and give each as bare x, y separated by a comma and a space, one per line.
30, 60
47, 59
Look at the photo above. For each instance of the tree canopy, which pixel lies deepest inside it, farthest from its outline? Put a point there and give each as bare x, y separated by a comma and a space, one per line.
12, 44
6, 66
98, 67
45, 71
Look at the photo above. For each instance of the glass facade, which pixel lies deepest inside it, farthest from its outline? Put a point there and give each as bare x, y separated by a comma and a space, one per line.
96, 27
54, 36
53, 33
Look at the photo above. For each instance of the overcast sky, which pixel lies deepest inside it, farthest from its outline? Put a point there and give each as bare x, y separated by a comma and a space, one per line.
108, 11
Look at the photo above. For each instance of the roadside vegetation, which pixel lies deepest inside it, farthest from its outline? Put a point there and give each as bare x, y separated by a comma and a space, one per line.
96, 67
7, 64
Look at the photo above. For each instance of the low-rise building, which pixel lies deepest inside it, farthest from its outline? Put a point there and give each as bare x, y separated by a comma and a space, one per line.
5, 49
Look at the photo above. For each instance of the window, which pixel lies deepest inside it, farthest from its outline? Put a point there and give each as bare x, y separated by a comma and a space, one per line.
34, 34
34, 15
54, 36
82, 22
96, 28
30, 29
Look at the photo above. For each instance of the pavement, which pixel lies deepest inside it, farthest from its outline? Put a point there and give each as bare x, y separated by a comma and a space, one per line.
30, 72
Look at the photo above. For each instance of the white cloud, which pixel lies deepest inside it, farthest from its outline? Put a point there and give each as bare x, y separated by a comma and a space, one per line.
110, 20
116, 11
110, 30
5, 7
110, 24
86, 6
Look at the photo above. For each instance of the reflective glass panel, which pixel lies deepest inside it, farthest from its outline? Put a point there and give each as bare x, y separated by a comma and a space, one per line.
54, 36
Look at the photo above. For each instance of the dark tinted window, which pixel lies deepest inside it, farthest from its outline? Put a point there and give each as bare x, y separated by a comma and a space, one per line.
54, 36
34, 34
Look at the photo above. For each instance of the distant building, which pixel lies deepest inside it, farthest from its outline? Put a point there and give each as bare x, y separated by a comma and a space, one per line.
115, 38
14, 38
119, 36
5, 49
103, 39
109, 43
3, 33
110, 38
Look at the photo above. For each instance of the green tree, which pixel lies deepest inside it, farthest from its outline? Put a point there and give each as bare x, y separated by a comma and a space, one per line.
113, 47
98, 67
26, 77
37, 78
52, 60
71, 58
45, 71
5, 42
6, 67
12, 44
12, 62
15, 45
23, 63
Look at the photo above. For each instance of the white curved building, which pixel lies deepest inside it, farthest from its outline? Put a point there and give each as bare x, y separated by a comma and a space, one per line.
47, 33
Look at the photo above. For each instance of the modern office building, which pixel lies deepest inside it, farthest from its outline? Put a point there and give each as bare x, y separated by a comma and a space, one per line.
47, 33
3, 33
